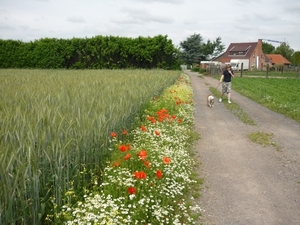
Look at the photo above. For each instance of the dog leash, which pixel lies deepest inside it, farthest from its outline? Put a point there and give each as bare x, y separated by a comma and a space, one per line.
217, 86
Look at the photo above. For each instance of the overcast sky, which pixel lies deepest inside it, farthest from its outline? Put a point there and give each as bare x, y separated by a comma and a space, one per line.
231, 20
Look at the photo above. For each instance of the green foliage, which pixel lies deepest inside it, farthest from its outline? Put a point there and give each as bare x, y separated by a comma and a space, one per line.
194, 50
296, 58
267, 48
202, 70
100, 52
285, 50
191, 49
212, 49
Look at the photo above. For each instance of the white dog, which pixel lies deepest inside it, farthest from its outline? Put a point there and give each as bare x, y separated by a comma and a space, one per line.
210, 100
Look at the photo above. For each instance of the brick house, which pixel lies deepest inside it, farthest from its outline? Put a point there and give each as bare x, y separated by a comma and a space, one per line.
247, 50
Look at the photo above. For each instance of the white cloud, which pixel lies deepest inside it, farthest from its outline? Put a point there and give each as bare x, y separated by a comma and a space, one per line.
232, 20
76, 20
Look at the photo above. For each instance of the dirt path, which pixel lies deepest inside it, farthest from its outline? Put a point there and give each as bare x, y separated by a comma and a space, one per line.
244, 182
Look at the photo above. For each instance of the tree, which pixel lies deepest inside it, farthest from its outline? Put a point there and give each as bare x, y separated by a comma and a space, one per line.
296, 58
212, 49
285, 50
267, 48
195, 50
191, 49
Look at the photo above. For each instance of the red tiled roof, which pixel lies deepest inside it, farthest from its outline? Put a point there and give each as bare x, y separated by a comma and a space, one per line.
277, 59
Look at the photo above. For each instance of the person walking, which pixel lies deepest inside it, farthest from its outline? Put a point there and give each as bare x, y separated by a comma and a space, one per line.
226, 85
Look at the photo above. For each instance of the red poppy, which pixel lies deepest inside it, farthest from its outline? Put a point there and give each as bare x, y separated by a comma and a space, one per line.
124, 132
123, 148
113, 134
162, 115
142, 154
147, 164
128, 147
140, 175
131, 190
116, 164
143, 128
179, 120
166, 160
157, 132
127, 156
159, 174
151, 119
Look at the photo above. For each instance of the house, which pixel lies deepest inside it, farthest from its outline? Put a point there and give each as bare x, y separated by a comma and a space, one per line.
277, 59
251, 51
247, 50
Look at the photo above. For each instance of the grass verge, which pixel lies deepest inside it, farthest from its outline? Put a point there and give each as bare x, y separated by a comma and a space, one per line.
264, 139
235, 109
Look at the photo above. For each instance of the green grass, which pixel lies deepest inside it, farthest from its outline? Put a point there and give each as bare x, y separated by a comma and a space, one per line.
264, 139
279, 95
290, 74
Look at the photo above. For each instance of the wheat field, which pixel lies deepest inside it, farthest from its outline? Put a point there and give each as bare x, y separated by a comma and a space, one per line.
54, 127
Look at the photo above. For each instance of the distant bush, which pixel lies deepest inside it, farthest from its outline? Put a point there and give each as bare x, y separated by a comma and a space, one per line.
202, 70
195, 69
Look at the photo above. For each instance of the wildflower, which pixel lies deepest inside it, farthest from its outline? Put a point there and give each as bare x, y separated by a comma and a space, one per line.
143, 128
157, 132
147, 164
140, 175
128, 147
116, 164
127, 156
159, 174
131, 190
113, 134
166, 160
162, 114
124, 132
123, 148
179, 120
151, 119
142, 154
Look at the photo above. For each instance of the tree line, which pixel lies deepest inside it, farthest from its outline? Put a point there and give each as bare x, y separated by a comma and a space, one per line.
111, 52
99, 52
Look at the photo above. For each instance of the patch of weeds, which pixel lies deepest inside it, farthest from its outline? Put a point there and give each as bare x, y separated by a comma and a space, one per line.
240, 113
235, 109
264, 139
193, 136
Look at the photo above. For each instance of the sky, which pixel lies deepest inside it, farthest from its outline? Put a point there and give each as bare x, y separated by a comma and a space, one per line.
234, 21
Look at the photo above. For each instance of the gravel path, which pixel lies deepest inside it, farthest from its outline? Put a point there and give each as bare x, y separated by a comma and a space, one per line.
244, 182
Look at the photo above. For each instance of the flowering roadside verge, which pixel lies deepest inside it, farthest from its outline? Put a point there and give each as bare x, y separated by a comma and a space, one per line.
147, 179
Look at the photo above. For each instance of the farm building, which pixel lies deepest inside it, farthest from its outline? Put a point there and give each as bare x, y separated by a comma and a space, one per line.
277, 59
251, 51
